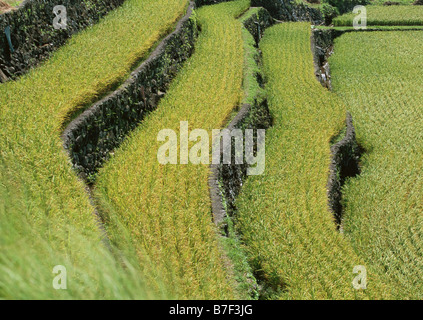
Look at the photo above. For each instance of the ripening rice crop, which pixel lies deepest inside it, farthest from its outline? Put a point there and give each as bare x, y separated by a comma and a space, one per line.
379, 76
46, 217
283, 215
167, 208
405, 15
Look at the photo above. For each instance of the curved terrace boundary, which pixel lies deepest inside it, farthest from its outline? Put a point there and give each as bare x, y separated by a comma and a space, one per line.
253, 114
92, 136
32, 34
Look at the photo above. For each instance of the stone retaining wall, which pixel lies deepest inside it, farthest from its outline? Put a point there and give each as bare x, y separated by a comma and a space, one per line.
33, 35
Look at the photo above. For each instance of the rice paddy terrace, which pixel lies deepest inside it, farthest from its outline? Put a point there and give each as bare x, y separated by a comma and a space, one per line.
83, 183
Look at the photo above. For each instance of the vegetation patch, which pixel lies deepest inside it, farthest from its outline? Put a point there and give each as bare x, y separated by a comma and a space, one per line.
167, 208
333, 196
346, 5
226, 179
370, 28
5, 6
94, 134
291, 10
403, 15
286, 225
46, 212
8, 5
32, 33
382, 217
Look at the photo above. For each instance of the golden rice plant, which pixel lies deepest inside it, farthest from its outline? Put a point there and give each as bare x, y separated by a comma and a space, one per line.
167, 208
45, 211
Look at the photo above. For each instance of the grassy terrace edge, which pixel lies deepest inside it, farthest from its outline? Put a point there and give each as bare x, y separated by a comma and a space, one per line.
167, 207
33, 36
383, 208
44, 207
289, 234
404, 15
372, 28
94, 134
225, 180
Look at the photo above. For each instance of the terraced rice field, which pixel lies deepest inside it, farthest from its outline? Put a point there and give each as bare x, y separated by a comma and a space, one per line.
166, 208
283, 215
42, 195
378, 75
401, 2
145, 230
404, 15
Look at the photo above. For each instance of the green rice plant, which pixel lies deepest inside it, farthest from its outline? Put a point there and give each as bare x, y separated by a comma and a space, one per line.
283, 215
167, 208
374, 28
401, 2
33, 243
100, 57
404, 15
379, 76
247, 284
43, 203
